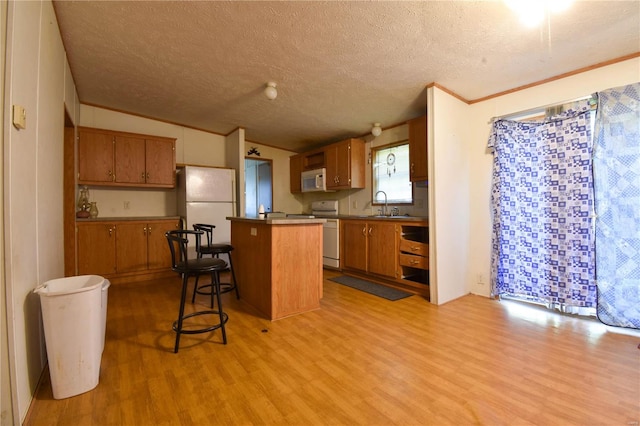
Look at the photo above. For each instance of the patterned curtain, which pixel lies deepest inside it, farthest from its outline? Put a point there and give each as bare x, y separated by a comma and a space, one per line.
542, 198
616, 168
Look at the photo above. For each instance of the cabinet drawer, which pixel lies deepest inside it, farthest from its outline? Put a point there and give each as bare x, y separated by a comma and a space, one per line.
414, 261
414, 247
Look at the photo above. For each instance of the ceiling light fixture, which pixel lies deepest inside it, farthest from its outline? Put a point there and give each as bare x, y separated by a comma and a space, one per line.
376, 130
270, 91
533, 12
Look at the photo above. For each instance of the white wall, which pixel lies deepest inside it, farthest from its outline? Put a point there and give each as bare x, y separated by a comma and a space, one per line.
480, 164
449, 180
37, 78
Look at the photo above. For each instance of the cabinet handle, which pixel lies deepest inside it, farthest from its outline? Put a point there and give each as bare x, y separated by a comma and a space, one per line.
147, 175
149, 229
110, 231
370, 229
364, 231
144, 230
413, 262
411, 168
142, 175
413, 248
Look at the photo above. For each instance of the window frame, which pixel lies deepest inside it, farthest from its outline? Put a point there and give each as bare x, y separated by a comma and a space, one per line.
374, 151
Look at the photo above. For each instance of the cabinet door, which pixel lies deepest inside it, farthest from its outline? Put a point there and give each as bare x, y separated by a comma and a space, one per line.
130, 160
331, 163
96, 248
160, 162
95, 156
295, 172
338, 158
383, 251
159, 255
131, 247
354, 244
418, 149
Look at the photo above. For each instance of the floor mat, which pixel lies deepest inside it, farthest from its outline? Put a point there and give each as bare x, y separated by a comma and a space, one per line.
371, 288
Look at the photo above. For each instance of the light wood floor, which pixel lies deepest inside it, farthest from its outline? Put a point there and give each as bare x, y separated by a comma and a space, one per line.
358, 360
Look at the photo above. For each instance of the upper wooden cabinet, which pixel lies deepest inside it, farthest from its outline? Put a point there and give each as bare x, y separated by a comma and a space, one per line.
345, 164
95, 156
344, 161
112, 158
295, 171
418, 148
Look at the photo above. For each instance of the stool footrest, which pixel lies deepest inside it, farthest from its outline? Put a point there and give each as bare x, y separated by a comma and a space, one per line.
224, 288
225, 318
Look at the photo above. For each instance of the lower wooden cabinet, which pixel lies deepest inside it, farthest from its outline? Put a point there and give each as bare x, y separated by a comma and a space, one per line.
123, 247
370, 246
390, 251
96, 248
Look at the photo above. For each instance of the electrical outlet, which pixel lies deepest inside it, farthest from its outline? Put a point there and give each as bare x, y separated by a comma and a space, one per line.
480, 279
254, 231
126, 205
355, 204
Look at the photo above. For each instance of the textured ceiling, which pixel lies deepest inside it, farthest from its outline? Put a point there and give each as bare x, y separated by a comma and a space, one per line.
339, 65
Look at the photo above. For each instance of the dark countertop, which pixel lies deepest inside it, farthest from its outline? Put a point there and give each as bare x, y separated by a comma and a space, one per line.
127, 219
278, 220
376, 217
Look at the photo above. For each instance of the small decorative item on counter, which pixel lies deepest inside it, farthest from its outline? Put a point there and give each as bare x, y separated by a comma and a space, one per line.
261, 212
83, 203
93, 210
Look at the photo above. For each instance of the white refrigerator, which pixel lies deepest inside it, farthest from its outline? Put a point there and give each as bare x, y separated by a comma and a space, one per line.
207, 195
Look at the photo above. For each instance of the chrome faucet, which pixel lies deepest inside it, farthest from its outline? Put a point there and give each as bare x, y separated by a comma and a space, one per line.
384, 209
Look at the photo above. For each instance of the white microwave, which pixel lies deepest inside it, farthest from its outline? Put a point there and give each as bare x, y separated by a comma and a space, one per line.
314, 180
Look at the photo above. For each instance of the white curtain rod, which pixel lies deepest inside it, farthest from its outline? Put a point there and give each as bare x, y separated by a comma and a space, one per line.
593, 97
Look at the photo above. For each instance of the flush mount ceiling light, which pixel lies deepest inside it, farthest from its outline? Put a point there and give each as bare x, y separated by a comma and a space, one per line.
533, 12
270, 91
376, 130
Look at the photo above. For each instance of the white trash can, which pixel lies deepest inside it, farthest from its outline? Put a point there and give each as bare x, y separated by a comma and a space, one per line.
74, 314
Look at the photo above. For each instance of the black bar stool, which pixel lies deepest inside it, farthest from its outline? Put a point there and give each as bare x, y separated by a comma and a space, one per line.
178, 241
215, 250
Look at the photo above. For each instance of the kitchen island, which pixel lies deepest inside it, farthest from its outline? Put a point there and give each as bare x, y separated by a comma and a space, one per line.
278, 264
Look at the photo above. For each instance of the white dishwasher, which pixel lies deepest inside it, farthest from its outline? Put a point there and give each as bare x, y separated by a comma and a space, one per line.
331, 243
330, 232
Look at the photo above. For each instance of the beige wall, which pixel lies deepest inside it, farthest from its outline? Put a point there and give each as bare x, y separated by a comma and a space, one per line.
283, 200
37, 78
6, 402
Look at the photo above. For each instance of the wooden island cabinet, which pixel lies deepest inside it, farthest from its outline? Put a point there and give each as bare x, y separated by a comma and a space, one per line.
391, 251
278, 264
